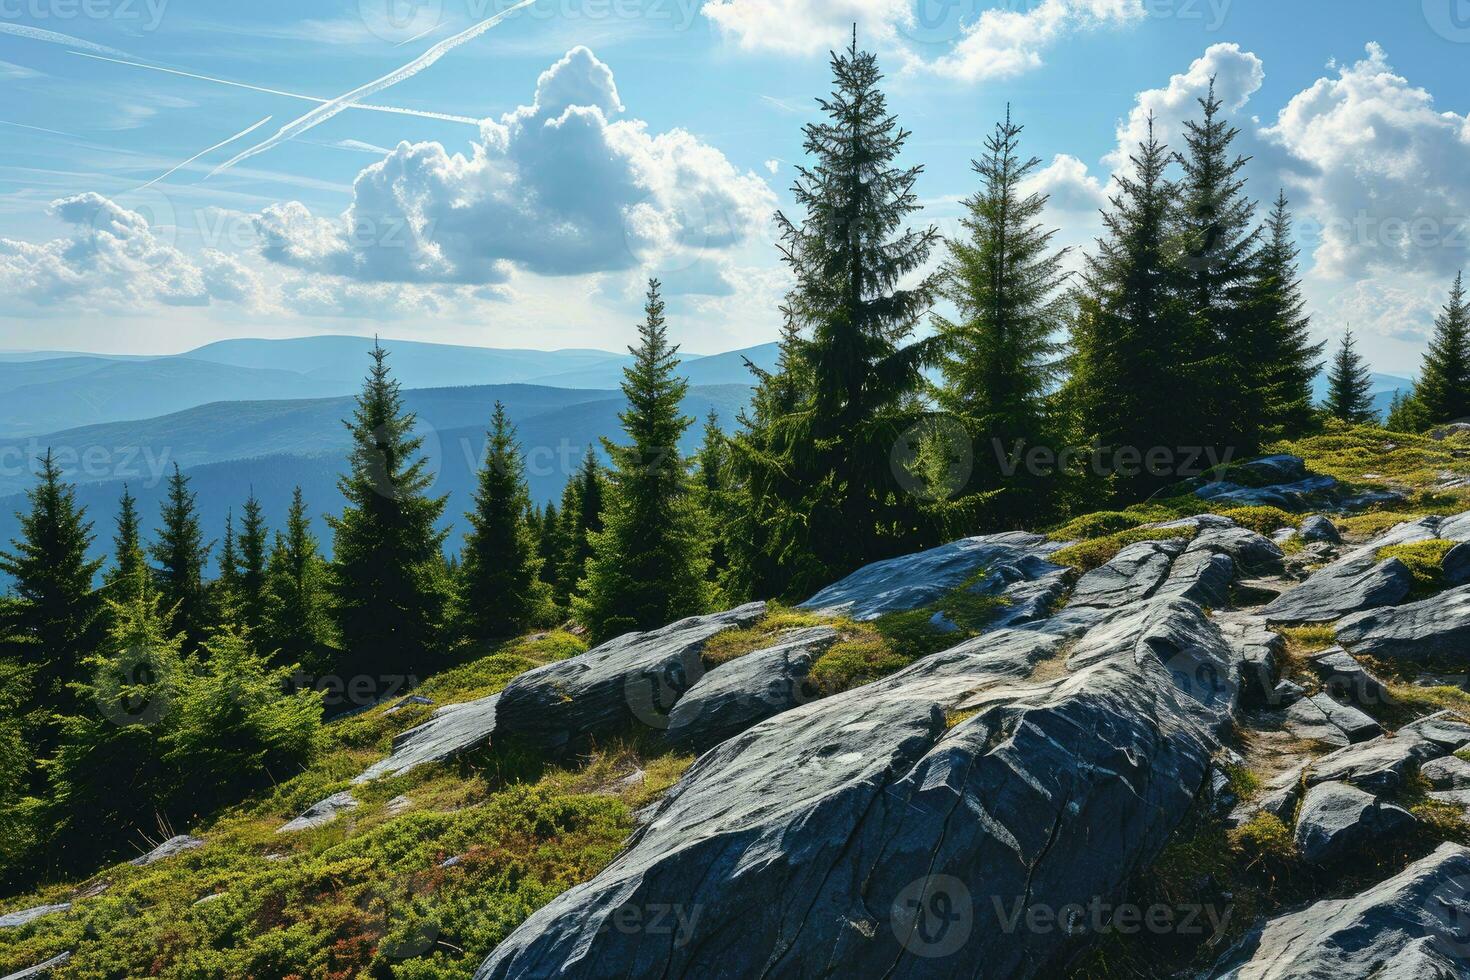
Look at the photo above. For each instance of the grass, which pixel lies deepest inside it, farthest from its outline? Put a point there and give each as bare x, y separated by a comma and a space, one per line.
1425, 560
1087, 555
1262, 520
732, 644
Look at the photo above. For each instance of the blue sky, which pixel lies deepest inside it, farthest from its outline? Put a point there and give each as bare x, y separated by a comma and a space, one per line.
594, 142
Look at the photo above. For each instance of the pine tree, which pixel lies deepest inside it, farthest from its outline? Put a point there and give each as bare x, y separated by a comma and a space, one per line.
1405, 414
712, 464
848, 255
180, 554
298, 624
1276, 343
225, 589
128, 575
551, 544
582, 507
251, 567
1218, 241
501, 592
57, 619
1443, 391
649, 562
1001, 357
388, 586
1349, 385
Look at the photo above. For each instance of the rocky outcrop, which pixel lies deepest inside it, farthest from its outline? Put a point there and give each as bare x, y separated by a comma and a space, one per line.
1131, 576
1348, 681
14, 920
1300, 495
1414, 926
1456, 565
320, 814
1380, 765
1434, 629
452, 731
1321, 719
1318, 528
1346, 586
40, 969
736, 695
1337, 819
168, 849
839, 838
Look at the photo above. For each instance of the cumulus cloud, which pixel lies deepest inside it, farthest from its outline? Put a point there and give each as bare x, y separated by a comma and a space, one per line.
114, 259
557, 187
1004, 43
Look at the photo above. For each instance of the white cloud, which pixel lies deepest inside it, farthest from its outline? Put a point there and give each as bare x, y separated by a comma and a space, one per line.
807, 27
553, 188
1004, 43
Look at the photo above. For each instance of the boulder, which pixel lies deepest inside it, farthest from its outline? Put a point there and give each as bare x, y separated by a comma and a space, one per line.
1281, 468
1346, 586
1414, 926
1321, 718
1447, 772
170, 847
1456, 565
1447, 431
1337, 819
1295, 496
40, 969
1032, 600
1253, 554
1433, 629
1132, 575
450, 732
843, 837
1443, 728
1257, 650
320, 814
14, 920
1319, 528
1380, 765
1348, 681
1200, 576
636, 678
749, 689
911, 581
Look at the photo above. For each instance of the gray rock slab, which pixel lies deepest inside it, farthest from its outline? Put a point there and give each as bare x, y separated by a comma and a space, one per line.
320, 814
1346, 586
1295, 496
1348, 681
450, 732
1443, 728
1447, 772
1132, 575
1253, 554
1437, 628
1380, 765
14, 920
1319, 528
1456, 565
1321, 718
169, 848
1336, 819
40, 969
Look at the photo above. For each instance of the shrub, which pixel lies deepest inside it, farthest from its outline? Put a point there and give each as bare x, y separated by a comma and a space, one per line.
1263, 838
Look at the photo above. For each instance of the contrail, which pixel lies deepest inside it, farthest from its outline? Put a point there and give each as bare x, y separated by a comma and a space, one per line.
39, 129
444, 116
51, 37
201, 153
324, 112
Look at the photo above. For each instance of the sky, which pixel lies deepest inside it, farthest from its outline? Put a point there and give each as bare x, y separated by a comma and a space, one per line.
504, 174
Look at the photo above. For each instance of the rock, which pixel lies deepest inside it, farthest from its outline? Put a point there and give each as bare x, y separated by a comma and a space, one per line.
1447, 772
398, 805
320, 814
1200, 576
635, 678
1252, 553
1258, 651
1456, 565
1130, 577
1442, 728
408, 702
1348, 681
40, 969
1459, 798
911, 581
207, 899
1295, 496
1325, 720
1282, 535
170, 847
450, 732
1433, 629
1029, 601
452, 862
1370, 498
1319, 528
1449, 431
1337, 819
1414, 926
1281, 468
1346, 586
14, 920
801, 842
749, 689
1380, 765
1286, 693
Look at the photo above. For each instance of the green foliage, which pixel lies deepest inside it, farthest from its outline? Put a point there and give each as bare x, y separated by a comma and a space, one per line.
126, 576
582, 505
251, 567
298, 626
1443, 391
1262, 520
649, 562
1425, 560
732, 644
1264, 838
501, 592
1087, 555
1349, 385
180, 554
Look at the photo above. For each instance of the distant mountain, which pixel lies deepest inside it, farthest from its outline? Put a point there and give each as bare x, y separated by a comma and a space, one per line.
715, 369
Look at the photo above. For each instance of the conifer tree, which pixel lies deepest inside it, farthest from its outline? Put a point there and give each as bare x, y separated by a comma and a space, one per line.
501, 592
1349, 385
712, 464
1277, 357
1405, 414
57, 619
250, 575
1443, 391
649, 562
127, 576
582, 507
388, 586
1002, 358
179, 554
551, 545
298, 624
225, 589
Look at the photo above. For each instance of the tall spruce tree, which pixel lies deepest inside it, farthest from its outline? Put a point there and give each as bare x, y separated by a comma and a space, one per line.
649, 563
1349, 385
501, 592
551, 544
712, 464
225, 589
582, 505
179, 554
1218, 241
1002, 358
127, 577
250, 574
388, 583
1443, 391
298, 623
57, 619
848, 253
1276, 341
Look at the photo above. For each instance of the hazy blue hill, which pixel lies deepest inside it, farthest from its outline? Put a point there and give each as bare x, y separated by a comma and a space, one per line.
554, 438
716, 369
18, 374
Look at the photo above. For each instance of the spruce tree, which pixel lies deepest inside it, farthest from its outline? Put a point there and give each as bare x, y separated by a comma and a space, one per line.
250, 574
649, 562
1349, 385
582, 507
127, 577
179, 554
1443, 391
1002, 358
298, 624
1276, 344
712, 464
1405, 414
225, 589
388, 582
57, 619
501, 592
551, 544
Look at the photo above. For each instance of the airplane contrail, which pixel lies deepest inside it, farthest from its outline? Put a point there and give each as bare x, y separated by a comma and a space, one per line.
444, 116
39, 129
243, 132
51, 37
324, 112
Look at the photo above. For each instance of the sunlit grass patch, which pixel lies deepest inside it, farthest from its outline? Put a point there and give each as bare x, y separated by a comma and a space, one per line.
1425, 560
1087, 555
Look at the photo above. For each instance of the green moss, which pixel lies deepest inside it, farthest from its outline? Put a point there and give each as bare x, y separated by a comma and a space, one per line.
1087, 555
856, 660
731, 644
1264, 838
1262, 520
1425, 560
